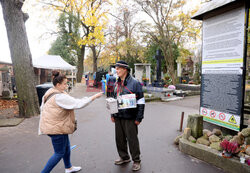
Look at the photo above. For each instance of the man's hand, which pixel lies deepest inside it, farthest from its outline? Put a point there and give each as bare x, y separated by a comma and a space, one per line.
113, 119
137, 123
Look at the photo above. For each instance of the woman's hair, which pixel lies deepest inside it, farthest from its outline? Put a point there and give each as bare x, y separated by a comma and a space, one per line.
57, 77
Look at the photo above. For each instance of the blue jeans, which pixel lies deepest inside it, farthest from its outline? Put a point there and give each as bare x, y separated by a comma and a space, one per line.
61, 147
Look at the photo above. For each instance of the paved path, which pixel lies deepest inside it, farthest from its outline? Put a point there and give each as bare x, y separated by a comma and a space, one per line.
23, 151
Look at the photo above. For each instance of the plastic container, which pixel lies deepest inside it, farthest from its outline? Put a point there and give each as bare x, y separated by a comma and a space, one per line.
112, 105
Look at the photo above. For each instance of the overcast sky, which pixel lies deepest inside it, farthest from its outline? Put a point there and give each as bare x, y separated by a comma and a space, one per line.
36, 26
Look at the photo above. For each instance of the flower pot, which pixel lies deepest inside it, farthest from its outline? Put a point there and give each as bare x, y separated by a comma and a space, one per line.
226, 154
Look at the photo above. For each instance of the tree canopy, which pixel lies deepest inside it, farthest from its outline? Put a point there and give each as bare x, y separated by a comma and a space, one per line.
172, 26
66, 43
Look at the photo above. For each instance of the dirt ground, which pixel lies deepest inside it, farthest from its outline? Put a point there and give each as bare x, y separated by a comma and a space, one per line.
8, 108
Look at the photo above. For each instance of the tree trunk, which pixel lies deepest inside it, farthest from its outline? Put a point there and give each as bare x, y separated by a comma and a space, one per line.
171, 63
172, 74
80, 67
168, 55
94, 58
21, 57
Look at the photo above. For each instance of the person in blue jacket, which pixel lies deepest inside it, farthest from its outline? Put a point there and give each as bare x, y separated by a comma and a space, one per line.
110, 85
127, 119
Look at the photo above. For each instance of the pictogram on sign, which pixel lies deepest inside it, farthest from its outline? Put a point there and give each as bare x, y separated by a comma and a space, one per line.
204, 111
212, 114
222, 116
232, 120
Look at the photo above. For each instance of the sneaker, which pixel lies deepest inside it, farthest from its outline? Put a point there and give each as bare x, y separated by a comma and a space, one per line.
73, 169
136, 166
121, 161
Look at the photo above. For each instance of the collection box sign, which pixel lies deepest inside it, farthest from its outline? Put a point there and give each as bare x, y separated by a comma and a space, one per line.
222, 68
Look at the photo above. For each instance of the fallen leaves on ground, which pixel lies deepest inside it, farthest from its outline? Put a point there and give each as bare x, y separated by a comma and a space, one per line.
6, 104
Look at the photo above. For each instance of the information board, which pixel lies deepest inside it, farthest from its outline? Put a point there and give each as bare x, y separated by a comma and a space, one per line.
222, 64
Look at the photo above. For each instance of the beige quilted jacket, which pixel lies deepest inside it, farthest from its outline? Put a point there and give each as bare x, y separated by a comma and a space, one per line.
54, 119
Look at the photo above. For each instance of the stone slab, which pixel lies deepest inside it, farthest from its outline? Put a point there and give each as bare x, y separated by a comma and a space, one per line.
10, 122
157, 89
186, 87
212, 156
172, 98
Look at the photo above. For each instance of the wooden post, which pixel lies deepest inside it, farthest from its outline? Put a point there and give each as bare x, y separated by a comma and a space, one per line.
182, 116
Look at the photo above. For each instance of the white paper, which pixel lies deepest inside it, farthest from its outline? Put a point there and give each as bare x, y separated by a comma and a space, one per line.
126, 101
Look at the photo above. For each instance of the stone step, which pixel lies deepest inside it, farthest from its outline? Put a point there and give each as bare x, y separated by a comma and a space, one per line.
247, 106
246, 116
246, 111
10, 122
246, 122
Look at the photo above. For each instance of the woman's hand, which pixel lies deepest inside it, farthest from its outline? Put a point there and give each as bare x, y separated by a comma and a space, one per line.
97, 95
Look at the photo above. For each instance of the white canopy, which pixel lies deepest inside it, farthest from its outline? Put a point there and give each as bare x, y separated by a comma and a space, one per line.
52, 62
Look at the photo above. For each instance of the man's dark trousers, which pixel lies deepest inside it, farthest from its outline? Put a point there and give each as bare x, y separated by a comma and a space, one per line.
126, 131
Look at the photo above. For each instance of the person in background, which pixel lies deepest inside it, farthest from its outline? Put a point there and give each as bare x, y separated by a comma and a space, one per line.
87, 79
69, 85
110, 85
127, 120
107, 76
94, 76
95, 80
57, 120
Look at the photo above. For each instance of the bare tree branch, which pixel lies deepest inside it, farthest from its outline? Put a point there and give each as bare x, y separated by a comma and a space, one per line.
47, 35
51, 4
146, 10
115, 16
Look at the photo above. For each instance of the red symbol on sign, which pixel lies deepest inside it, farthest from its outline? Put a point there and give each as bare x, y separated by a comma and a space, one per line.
222, 116
212, 114
204, 111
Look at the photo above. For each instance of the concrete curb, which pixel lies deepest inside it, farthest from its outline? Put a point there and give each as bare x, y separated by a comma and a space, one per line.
152, 99
8, 122
212, 156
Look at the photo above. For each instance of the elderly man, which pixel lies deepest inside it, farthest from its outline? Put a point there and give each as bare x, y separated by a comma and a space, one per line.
131, 103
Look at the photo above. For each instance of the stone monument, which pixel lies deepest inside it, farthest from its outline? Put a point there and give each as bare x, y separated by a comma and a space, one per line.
139, 70
158, 57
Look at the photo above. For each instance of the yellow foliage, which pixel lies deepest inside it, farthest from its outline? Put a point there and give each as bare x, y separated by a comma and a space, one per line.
92, 15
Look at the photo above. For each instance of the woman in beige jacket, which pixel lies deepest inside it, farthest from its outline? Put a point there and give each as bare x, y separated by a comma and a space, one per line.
58, 120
